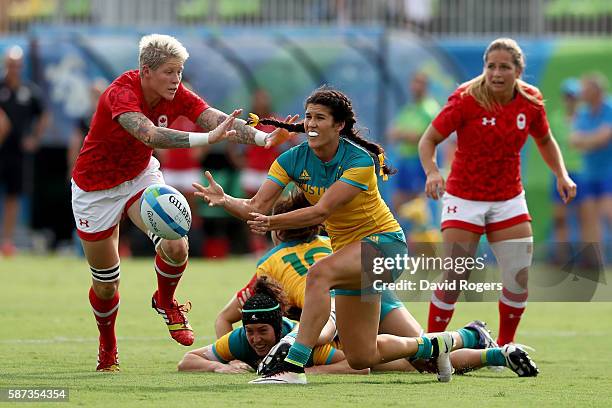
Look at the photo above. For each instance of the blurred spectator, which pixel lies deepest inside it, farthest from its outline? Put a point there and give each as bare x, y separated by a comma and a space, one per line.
22, 103
82, 126
561, 120
5, 126
180, 168
593, 135
405, 133
75, 143
256, 161
222, 233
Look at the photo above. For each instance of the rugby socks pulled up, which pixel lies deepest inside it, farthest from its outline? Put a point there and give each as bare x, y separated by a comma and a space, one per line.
105, 311
168, 277
509, 319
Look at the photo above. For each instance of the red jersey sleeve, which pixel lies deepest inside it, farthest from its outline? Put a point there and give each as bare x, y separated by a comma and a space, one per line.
450, 117
190, 104
539, 126
122, 99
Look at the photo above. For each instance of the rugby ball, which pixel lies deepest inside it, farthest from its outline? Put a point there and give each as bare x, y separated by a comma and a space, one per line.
165, 211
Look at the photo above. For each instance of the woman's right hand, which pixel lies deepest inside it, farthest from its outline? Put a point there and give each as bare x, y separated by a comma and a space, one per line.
213, 194
435, 185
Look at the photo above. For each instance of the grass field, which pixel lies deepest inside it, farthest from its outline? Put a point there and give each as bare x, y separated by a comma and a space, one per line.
48, 339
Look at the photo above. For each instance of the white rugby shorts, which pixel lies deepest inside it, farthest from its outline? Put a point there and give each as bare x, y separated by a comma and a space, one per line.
97, 213
483, 216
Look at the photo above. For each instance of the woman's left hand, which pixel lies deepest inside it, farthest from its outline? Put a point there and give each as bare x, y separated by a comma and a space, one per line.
259, 224
566, 188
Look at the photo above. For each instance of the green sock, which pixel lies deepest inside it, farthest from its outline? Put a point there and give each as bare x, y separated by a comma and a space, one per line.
469, 337
298, 354
493, 357
425, 348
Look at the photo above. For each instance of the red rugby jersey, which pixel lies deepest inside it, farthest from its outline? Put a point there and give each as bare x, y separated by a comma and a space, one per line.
110, 155
487, 164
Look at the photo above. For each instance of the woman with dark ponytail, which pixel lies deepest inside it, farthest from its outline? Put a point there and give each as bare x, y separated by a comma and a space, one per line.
338, 172
342, 109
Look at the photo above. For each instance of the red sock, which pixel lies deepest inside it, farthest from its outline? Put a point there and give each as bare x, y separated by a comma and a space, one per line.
105, 312
509, 319
168, 276
439, 318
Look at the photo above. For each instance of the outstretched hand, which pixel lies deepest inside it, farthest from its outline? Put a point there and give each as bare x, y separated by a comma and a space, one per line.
224, 130
213, 194
279, 135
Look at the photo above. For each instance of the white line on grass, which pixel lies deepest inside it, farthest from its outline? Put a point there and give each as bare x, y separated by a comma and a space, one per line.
90, 340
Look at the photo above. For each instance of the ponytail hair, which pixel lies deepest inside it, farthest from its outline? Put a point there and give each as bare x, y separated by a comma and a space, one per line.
342, 111
478, 89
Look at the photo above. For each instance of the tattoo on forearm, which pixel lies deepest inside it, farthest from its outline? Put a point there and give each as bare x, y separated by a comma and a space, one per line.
139, 126
244, 133
168, 138
211, 118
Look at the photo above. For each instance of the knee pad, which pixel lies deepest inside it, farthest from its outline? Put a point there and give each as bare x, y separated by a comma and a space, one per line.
106, 275
513, 256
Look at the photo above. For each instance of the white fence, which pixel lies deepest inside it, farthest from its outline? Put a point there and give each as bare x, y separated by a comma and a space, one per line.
431, 17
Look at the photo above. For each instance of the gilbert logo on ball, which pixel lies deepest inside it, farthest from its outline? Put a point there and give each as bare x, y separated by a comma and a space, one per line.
165, 211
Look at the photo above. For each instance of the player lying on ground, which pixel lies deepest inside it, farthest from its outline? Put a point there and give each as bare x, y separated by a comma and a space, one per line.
263, 325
